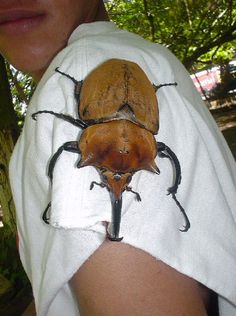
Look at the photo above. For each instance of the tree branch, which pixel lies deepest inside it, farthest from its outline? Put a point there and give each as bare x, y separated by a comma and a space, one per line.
226, 37
150, 19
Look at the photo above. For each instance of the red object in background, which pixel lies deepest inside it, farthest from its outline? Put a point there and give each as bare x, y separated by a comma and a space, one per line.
207, 79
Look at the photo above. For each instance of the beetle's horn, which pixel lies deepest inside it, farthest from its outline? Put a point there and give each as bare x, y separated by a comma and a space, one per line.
153, 167
86, 161
114, 227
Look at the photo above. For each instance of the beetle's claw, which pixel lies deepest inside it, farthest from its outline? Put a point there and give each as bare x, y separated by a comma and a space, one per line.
185, 229
187, 225
187, 222
34, 116
45, 216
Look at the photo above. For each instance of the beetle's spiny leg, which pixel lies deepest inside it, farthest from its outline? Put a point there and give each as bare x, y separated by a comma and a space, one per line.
165, 152
66, 75
156, 87
45, 216
67, 118
187, 222
78, 84
138, 197
102, 185
68, 146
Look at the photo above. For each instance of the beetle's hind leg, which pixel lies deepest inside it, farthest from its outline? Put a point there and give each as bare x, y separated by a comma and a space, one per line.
165, 152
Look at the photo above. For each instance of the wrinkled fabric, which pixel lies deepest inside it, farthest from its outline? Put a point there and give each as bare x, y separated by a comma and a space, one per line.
51, 254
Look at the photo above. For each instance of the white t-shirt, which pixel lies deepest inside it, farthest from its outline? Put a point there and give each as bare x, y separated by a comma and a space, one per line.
51, 254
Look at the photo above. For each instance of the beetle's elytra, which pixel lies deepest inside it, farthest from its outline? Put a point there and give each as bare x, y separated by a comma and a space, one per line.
120, 90
118, 111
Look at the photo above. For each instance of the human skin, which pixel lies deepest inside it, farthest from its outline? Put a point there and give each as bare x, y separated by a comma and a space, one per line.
32, 32
117, 279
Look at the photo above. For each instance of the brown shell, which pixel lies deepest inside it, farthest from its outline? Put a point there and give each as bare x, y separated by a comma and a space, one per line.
119, 89
132, 149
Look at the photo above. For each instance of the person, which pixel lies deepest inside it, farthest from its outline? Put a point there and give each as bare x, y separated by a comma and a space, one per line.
73, 268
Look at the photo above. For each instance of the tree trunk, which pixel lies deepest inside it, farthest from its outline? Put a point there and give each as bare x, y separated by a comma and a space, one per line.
16, 294
8, 135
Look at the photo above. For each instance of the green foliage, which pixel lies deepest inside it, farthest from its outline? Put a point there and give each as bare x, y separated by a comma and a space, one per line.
22, 88
197, 32
11, 266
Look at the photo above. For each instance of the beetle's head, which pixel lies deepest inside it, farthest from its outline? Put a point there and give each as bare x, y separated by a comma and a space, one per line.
115, 182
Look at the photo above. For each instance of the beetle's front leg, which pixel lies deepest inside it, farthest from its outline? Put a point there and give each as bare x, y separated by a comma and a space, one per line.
102, 185
138, 197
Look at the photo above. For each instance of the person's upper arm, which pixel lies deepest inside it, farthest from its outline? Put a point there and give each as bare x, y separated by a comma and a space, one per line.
121, 280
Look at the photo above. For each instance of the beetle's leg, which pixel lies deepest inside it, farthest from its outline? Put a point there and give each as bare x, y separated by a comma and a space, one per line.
45, 216
66, 75
138, 197
67, 118
78, 84
156, 87
187, 222
68, 146
165, 152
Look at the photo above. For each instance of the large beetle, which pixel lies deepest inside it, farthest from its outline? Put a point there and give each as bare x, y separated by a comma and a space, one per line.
118, 111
